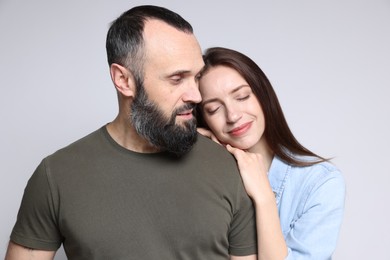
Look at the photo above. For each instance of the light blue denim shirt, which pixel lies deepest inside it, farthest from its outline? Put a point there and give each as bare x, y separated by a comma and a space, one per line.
310, 202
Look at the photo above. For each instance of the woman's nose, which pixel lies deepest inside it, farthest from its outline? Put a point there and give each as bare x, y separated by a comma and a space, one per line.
233, 115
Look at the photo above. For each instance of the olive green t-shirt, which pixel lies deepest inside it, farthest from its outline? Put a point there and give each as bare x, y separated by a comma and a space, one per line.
102, 201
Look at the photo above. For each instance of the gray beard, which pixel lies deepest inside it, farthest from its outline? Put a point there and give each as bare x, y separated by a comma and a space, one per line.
162, 132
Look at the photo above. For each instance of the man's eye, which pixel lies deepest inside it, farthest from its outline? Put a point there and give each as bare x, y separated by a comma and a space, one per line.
197, 77
176, 79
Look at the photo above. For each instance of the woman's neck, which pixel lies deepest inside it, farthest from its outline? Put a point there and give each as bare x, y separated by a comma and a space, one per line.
262, 148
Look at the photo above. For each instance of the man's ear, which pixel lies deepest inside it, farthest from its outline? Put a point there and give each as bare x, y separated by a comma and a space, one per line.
123, 80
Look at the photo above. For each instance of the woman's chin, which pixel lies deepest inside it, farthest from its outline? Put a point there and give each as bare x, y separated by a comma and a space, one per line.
240, 146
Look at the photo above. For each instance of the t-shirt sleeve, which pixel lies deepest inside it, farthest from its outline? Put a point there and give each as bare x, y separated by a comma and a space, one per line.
37, 223
242, 235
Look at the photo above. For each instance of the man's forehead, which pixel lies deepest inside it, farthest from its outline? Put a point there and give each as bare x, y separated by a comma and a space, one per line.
172, 48
155, 28
159, 33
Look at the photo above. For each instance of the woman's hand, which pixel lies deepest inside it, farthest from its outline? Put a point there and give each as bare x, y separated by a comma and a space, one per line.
252, 169
253, 173
270, 240
209, 134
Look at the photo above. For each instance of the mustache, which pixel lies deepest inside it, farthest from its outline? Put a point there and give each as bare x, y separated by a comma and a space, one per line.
184, 108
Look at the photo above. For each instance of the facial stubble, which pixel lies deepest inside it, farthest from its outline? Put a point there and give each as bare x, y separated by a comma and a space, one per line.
161, 131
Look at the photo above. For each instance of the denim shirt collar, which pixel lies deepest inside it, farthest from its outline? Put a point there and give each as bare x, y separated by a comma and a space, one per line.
278, 174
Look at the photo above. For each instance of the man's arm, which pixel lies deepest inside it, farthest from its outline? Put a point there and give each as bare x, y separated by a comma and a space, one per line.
18, 252
247, 257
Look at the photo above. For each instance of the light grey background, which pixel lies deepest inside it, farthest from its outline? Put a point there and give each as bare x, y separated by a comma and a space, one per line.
329, 62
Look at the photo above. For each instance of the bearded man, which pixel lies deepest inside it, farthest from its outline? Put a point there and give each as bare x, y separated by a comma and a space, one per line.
144, 186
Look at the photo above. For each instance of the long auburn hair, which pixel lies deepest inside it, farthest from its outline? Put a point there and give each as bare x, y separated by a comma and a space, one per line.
277, 133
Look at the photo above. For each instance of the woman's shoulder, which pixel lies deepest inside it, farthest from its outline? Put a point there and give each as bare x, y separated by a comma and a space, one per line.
317, 182
326, 168
316, 173
319, 174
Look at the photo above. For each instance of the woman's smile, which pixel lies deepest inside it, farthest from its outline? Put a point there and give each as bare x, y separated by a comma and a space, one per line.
240, 130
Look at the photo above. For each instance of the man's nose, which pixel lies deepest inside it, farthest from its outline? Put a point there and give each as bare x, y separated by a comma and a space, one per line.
192, 93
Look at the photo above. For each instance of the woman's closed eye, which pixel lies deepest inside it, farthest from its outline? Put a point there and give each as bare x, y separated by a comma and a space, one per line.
242, 98
211, 110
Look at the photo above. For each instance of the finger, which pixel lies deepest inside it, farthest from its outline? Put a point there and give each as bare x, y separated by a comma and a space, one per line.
230, 148
233, 150
214, 138
204, 132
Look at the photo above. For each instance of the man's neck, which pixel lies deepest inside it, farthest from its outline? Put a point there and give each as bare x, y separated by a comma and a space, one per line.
125, 135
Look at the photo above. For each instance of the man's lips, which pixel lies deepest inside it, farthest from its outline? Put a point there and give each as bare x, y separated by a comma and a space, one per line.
185, 113
240, 129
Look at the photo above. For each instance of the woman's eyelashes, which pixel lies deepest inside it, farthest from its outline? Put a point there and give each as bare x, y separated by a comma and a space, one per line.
243, 98
211, 110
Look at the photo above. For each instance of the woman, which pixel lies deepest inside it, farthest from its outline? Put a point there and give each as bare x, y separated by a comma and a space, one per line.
298, 195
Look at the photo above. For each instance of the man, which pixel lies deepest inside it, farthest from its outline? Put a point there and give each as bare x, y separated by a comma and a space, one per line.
144, 186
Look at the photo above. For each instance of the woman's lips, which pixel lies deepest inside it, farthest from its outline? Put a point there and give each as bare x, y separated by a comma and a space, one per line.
242, 129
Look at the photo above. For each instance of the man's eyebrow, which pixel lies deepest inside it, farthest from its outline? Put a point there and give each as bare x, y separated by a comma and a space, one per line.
177, 72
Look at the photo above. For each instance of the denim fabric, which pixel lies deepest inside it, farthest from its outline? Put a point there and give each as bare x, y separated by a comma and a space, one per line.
310, 202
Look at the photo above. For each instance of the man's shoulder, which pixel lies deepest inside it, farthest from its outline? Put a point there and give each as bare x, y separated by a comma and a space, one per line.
205, 142
207, 146
214, 155
81, 146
